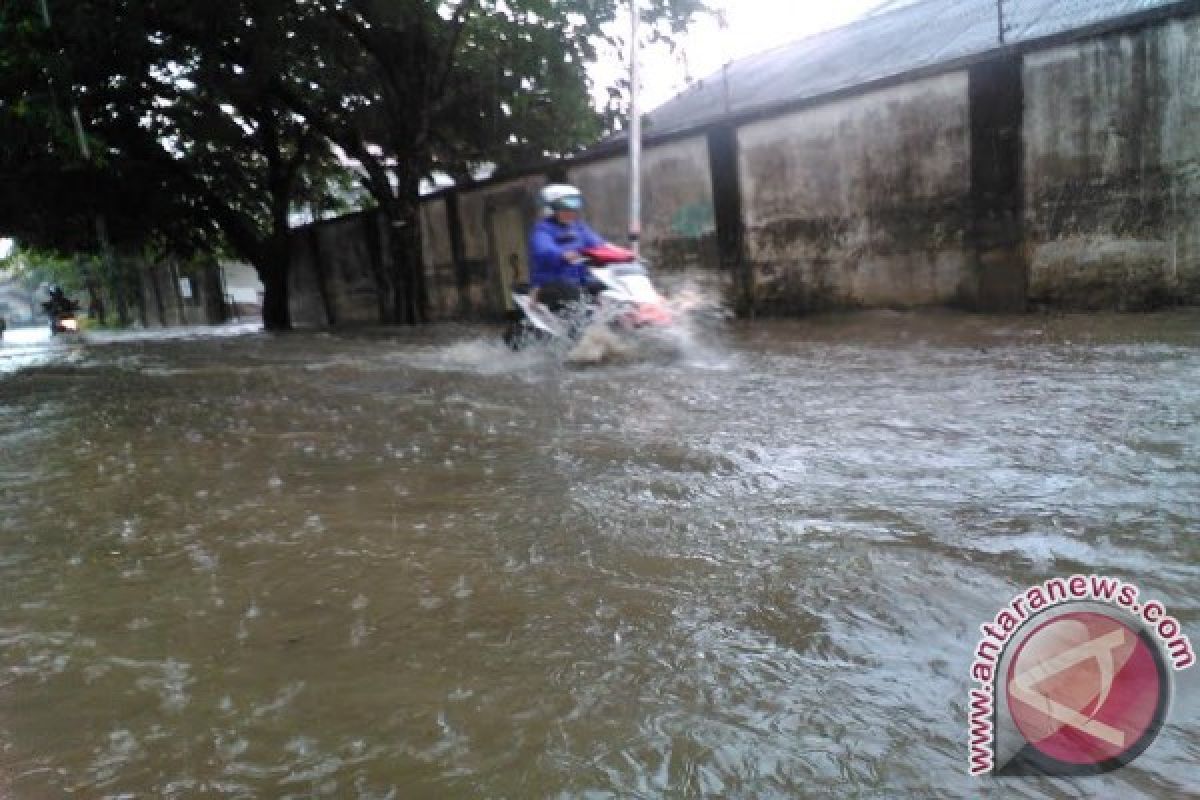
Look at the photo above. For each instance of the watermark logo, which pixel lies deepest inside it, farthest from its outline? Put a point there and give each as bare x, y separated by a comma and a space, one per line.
1074, 678
1087, 690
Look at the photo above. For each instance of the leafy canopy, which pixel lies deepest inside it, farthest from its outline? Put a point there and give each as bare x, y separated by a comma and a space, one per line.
205, 123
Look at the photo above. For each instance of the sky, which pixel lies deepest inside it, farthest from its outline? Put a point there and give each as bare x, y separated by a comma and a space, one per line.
752, 26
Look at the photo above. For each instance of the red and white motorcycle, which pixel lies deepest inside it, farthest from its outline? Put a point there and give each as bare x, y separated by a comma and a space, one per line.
626, 301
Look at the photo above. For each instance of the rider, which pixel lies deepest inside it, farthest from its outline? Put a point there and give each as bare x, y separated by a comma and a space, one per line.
58, 303
555, 246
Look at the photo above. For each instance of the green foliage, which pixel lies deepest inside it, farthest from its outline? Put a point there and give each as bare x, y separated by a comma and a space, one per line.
447, 86
206, 123
52, 193
34, 268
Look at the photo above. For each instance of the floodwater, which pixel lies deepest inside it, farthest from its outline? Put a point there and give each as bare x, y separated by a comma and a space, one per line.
410, 564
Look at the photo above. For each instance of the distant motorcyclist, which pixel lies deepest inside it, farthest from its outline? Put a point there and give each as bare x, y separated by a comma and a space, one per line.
61, 311
59, 303
556, 246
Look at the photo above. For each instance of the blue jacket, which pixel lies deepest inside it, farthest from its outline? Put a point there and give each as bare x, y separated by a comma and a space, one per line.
549, 240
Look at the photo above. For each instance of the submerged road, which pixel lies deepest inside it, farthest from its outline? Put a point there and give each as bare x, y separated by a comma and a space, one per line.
412, 564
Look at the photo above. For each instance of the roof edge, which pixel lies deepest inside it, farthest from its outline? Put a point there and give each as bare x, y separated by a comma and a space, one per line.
598, 152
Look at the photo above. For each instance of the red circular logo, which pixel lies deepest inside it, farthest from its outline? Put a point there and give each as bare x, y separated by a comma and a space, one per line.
1086, 689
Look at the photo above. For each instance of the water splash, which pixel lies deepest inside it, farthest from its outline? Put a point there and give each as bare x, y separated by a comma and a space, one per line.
692, 337
486, 355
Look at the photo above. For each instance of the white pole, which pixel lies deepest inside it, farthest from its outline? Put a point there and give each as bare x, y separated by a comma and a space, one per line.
635, 137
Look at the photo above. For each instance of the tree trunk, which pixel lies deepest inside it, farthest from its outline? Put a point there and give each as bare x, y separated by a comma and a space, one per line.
215, 311
95, 301
158, 300
384, 281
177, 293
408, 268
273, 272
120, 292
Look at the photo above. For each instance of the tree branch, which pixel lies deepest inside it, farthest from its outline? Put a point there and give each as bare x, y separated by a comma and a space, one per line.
458, 23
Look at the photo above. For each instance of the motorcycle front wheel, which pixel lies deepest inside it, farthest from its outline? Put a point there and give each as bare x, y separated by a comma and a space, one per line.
520, 333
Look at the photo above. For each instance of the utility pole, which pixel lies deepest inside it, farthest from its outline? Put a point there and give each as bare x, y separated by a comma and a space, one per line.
723, 25
1001, 28
635, 136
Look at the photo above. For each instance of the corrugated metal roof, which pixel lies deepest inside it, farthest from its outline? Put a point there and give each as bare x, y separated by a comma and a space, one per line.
891, 41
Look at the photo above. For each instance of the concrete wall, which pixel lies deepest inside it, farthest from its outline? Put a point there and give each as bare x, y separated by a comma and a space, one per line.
678, 223
170, 294
605, 185
495, 222
860, 203
437, 254
338, 266
336, 269
1066, 177
473, 251
1112, 169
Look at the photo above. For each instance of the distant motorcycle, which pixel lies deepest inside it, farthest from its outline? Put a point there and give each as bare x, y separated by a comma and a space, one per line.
62, 312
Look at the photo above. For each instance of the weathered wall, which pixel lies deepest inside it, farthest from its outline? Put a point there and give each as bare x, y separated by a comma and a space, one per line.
1112, 169
437, 254
495, 227
997, 234
162, 301
678, 224
605, 185
1068, 177
336, 267
862, 202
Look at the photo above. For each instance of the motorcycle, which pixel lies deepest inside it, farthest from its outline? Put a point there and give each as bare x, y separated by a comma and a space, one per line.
64, 323
622, 299
62, 313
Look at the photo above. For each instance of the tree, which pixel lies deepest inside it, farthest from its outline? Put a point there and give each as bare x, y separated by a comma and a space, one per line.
218, 107
60, 189
191, 145
410, 88
208, 122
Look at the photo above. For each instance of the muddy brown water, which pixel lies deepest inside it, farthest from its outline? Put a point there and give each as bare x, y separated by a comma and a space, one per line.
412, 564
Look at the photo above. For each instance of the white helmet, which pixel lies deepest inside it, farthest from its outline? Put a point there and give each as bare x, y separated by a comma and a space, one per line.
560, 197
